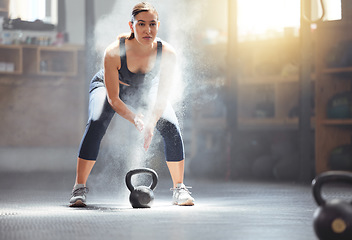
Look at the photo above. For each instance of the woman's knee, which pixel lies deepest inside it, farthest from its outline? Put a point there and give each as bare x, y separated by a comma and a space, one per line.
95, 131
173, 142
97, 124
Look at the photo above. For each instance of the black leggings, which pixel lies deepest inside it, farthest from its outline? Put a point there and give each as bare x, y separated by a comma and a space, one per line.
100, 115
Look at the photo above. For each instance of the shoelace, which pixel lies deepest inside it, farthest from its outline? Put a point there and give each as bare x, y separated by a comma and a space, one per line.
80, 191
182, 188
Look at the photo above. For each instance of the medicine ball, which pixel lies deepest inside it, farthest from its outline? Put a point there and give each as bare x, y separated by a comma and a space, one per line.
340, 106
341, 158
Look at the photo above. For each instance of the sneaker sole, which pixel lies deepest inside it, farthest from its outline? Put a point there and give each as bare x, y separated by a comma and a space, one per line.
187, 203
78, 203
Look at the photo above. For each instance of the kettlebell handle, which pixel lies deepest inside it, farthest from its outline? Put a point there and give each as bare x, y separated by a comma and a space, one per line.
330, 176
129, 175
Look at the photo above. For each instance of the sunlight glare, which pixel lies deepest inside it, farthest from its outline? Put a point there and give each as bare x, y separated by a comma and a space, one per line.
265, 19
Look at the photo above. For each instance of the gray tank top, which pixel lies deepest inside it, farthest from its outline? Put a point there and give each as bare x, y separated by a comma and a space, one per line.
142, 87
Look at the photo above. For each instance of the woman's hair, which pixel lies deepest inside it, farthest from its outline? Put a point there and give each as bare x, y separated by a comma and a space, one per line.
141, 7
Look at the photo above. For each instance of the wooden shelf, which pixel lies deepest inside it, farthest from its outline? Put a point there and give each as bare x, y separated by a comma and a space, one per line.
206, 123
337, 122
270, 123
275, 79
330, 133
41, 60
57, 61
268, 80
337, 70
267, 123
272, 100
269, 84
283, 94
11, 59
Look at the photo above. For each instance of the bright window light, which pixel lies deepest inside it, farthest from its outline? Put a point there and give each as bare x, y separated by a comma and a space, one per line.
258, 19
31, 10
333, 10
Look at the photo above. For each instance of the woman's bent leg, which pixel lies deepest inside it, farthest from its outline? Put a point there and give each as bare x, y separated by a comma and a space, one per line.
174, 154
100, 115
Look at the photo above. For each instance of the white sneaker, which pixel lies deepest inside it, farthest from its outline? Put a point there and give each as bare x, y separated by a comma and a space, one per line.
78, 196
182, 196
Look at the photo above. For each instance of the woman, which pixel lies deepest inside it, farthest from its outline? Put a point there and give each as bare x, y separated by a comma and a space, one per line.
138, 72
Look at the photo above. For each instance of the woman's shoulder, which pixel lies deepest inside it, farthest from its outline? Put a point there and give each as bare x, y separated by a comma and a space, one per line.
112, 55
113, 49
167, 47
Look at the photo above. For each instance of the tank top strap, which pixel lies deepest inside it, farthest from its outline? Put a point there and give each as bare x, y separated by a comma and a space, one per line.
159, 53
122, 50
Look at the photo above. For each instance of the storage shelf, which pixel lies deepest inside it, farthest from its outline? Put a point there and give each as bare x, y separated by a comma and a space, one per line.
11, 73
267, 123
337, 122
268, 80
41, 60
11, 59
330, 133
337, 70
275, 79
58, 61
254, 123
206, 123
270, 123
57, 74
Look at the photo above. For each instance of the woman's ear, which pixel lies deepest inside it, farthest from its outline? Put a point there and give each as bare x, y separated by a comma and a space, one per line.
131, 25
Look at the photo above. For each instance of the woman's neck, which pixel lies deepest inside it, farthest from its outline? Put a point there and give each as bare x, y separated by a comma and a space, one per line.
142, 49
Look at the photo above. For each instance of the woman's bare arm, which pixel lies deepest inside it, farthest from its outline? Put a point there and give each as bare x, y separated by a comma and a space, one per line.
111, 77
167, 75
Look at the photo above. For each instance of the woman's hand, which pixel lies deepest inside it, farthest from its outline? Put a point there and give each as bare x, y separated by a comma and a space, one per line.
148, 130
138, 122
148, 136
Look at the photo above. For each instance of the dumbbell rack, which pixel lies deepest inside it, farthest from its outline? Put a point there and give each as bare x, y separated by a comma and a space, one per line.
330, 133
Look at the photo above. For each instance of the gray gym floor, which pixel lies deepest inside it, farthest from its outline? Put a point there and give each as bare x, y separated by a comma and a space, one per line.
34, 206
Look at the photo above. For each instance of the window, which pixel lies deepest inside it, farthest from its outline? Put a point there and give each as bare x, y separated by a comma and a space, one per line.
333, 10
31, 10
258, 19
263, 19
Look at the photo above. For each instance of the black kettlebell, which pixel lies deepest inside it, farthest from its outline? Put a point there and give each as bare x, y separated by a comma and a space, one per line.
333, 218
141, 196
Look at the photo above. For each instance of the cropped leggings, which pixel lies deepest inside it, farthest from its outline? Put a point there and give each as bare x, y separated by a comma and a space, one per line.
100, 115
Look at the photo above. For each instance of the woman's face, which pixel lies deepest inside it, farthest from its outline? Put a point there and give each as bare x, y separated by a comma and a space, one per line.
145, 27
